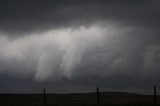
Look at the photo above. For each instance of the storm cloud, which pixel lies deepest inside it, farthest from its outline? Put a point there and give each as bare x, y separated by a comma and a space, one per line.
108, 43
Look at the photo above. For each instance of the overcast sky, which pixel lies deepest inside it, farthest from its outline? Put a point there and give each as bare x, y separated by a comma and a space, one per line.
76, 45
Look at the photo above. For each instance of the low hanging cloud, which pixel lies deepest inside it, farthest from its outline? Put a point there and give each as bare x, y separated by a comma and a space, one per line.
105, 42
51, 54
62, 53
100, 50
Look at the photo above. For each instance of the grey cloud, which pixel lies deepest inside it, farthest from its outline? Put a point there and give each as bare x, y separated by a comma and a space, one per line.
18, 16
108, 43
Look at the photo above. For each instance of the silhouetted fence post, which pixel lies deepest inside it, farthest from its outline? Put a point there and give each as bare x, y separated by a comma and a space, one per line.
98, 96
155, 95
44, 96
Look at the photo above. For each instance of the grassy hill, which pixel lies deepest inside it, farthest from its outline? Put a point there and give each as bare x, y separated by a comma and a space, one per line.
114, 98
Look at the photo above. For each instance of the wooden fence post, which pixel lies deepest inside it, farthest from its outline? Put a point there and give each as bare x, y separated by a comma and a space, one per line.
155, 94
98, 96
44, 96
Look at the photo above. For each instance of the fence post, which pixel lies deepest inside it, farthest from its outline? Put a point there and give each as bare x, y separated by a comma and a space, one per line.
98, 96
44, 96
155, 94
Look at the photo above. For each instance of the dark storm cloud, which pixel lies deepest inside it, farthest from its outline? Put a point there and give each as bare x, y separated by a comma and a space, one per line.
22, 16
108, 43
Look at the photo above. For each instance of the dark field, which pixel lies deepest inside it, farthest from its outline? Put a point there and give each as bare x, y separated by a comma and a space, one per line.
78, 99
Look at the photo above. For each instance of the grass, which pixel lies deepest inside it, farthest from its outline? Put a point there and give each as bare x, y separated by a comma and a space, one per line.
78, 99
